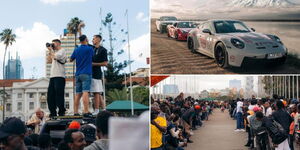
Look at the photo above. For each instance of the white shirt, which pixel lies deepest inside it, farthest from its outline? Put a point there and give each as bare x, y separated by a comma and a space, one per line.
269, 111
239, 106
58, 69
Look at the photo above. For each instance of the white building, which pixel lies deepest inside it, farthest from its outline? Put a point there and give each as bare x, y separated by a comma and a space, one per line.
26, 96
261, 92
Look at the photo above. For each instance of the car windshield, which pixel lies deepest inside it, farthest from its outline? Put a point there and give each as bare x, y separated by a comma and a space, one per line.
186, 25
230, 27
168, 19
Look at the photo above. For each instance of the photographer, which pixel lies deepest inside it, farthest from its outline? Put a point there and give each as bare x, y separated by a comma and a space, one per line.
56, 89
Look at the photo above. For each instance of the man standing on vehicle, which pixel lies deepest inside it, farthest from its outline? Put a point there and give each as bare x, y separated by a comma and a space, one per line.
99, 60
56, 89
83, 56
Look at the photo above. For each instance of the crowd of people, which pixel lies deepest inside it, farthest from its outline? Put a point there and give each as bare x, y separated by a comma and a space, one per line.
173, 121
14, 135
271, 123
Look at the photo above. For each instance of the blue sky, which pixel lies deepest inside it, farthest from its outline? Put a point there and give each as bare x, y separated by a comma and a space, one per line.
37, 21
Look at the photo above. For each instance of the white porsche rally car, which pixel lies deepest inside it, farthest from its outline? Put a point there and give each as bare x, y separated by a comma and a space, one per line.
232, 43
163, 22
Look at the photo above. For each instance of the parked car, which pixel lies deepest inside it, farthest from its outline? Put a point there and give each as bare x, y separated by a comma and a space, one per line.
232, 43
163, 21
179, 30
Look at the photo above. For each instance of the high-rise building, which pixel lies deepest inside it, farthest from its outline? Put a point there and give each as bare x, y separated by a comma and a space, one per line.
67, 43
237, 84
249, 87
14, 69
261, 92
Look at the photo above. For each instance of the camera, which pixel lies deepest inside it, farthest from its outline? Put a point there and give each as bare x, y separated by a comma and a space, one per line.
50, 45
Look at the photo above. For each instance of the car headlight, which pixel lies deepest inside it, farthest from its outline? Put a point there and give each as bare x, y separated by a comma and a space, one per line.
277, 39
237, 43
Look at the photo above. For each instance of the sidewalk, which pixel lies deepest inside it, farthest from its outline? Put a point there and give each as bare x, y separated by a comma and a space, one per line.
218, 133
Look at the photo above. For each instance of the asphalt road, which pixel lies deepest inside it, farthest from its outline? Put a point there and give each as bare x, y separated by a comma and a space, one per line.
218, 133
169, 56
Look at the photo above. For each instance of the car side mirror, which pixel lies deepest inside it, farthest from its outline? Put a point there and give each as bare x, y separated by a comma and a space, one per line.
253, 29
206, 31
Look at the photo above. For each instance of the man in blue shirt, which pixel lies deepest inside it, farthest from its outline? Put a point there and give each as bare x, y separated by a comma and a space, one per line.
83, 56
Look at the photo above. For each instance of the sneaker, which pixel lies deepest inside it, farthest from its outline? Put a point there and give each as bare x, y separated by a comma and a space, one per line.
190, 141
237, 130
88, 115
243, 130
76, 114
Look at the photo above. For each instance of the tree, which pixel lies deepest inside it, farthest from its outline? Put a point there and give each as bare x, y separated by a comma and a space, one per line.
7, 37
141, 95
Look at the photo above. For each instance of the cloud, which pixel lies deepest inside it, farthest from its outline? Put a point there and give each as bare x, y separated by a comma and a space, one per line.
53, 2
139, 49
30, 44
141, 16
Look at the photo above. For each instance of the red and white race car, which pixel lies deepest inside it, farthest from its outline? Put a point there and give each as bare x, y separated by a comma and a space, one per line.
179, 30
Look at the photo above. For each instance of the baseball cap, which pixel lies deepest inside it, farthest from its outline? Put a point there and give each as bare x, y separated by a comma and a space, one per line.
74, 125
256, 109
197, 107
12, 126
89, 131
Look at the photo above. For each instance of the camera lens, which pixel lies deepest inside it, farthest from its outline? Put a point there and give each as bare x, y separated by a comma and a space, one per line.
48, 44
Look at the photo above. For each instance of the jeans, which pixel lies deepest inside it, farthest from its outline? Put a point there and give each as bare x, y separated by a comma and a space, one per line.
56, 96
83, 83
239, 121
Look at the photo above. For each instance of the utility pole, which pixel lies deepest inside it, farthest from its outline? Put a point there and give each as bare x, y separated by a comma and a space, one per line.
129, 60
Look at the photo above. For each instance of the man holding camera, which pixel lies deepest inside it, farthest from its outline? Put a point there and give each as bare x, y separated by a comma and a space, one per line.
83, 56
56, 89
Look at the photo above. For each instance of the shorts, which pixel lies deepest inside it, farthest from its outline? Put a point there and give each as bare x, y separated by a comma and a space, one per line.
83, 83
96, 86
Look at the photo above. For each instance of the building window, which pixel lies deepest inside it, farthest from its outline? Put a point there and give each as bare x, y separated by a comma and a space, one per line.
19, 106
67, 95
31, 95
19, 95
67, 105
8, 107
44, 105
31, 105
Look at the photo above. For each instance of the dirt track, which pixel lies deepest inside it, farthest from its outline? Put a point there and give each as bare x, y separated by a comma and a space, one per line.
169, 56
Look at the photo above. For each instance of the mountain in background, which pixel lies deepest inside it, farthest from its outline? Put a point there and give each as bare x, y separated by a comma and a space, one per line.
261, 3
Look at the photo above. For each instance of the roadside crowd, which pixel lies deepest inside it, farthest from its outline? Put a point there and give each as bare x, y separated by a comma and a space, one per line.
173, 121
14, 135
271, 123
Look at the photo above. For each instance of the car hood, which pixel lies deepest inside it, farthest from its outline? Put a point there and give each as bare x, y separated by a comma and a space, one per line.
167, 22
253, 38
186, 29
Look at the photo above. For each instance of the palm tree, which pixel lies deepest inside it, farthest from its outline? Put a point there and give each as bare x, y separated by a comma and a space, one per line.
73, 27
7, 37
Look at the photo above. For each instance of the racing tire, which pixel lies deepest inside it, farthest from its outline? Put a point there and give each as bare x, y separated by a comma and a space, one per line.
190, 44
161, 30
221, 56
281, 61
168, 33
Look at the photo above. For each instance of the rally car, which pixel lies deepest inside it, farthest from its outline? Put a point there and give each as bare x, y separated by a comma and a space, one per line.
232, 43
179, 30
163, 21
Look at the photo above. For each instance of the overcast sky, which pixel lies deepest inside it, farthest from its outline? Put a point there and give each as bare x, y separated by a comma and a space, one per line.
36, 22
198, 83
210, 9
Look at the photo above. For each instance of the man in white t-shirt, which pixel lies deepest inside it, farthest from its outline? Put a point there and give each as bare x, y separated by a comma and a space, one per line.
56, 89
239, 116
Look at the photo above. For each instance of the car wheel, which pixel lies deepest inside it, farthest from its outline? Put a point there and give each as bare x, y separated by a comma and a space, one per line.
221, 56
176, 36
161, 30
282, 60
191, 45
168, 33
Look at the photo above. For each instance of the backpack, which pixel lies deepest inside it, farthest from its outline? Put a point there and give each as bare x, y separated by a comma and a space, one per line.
275, 130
